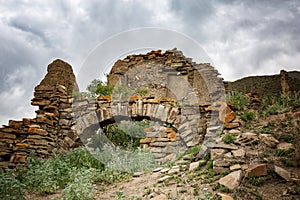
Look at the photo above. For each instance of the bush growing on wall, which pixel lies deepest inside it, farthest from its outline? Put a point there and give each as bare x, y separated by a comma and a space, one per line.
99, 88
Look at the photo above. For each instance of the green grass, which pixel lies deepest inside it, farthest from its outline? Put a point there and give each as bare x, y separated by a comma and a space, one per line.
193, 151
247, 116
75, 172
228, 138
238, 101
258, 181
283, 153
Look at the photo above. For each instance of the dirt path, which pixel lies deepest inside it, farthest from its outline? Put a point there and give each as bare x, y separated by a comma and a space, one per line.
135, 186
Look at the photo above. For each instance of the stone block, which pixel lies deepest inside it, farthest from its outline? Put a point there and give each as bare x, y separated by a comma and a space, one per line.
269, 140
37, 131
257, 170
283, 173
15, 124
158, 144
285, 146
232, 180
7, 135
217, 153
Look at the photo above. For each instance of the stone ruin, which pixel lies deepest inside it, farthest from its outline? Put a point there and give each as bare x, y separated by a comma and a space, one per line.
53, 126
62, 118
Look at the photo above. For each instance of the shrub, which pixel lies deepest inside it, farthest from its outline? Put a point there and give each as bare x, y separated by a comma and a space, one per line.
238, 101
127, 134
128, 161
121, 92
228, 138
99, 88
10, 187
294, 101
81, 186
142, 91
193, 151
47, 176
247, 116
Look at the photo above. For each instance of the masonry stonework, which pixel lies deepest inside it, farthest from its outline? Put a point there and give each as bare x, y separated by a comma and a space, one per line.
61, 118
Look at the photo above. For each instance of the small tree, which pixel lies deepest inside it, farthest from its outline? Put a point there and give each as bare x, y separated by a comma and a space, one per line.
99, 88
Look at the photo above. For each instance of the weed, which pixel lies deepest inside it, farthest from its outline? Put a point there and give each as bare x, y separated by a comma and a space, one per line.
225, 189
207, 195
128, 161
298, 190
142, 91
285, 138
120, 195
267, 129
49, 175
196, 189
283, 153
247, 116
193, 151
287, 163
256, 194
258, 181
224, 173
183, 191
11, 188
215, 187
238, 100
80, 188
228, 138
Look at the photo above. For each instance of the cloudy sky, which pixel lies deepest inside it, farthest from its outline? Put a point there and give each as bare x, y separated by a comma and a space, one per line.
241, 38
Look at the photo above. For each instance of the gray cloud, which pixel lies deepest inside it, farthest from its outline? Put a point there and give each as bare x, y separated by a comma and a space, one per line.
241, 37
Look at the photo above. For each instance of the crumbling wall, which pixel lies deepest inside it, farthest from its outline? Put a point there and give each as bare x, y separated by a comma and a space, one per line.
53, 126
167, 74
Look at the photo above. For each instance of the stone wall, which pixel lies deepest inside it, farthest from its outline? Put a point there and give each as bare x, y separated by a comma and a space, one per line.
61, 118
168, 74
53, 126
176, 128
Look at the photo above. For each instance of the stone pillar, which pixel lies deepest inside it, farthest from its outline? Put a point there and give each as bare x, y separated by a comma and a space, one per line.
285, 88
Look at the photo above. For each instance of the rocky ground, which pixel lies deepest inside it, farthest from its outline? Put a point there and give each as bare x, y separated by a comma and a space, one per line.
258, 160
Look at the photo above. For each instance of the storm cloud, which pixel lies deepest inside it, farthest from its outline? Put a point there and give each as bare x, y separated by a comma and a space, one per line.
241, 38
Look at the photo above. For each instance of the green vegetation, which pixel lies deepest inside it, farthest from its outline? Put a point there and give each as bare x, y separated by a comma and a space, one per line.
279, 104
142, 91
267, 129
127, 161
282, 153
76, 172
11, 188
238, 100
247, 116
258, 181
207, 195
127, 135
99, 88
193, 151
121, 92
47, 176
228, 138
225, 189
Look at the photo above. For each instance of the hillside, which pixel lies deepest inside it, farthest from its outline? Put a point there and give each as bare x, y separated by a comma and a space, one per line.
257, 160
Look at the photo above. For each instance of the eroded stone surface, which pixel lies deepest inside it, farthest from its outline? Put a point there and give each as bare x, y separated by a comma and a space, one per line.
232, 180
